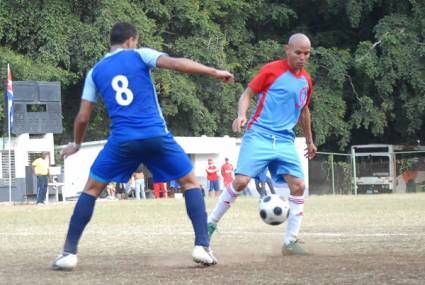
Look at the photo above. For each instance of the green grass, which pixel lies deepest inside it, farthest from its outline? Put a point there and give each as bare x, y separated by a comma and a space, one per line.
124, 233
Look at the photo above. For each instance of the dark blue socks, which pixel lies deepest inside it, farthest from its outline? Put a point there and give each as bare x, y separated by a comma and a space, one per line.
83, 212
195, 207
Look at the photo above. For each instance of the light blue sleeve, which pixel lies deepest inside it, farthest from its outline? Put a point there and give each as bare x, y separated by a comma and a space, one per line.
89, 90
149, 56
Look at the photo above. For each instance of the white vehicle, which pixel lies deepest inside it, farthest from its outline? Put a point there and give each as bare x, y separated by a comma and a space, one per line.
375, 167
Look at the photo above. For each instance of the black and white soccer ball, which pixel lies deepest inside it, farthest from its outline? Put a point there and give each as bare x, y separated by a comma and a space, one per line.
274, 210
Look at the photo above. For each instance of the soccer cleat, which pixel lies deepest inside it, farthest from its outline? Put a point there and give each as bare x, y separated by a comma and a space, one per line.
293, 248
203, 255
212, 256
65, 261
211, 229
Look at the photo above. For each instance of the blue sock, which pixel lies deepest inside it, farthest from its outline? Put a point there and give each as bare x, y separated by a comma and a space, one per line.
195, 207
83, 212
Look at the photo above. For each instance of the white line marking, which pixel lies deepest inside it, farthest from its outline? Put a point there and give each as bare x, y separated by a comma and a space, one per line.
141, 233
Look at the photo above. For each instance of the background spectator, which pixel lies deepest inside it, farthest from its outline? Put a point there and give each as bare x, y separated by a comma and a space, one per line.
139, 183
212, 177
110, 188
227, 172
160, 190
40, 168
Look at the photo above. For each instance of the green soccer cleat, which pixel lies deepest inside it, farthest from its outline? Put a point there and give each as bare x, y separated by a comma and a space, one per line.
211, 229
293, 248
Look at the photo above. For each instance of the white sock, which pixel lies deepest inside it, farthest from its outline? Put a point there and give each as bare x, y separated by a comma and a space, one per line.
282, 190
226, 199
296, 213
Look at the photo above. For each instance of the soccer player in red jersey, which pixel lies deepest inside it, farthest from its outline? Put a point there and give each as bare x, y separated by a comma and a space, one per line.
284, 91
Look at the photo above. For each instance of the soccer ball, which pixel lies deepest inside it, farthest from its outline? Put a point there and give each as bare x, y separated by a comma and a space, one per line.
273, 209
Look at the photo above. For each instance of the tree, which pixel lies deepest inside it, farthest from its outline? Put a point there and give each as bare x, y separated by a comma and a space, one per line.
367, 61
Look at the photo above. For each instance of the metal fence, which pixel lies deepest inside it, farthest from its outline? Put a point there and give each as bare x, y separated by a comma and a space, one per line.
394, 172
330, 173
4, 167
410, 171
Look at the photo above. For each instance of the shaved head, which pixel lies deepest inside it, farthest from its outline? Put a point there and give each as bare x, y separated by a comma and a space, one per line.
298, 51
298, 38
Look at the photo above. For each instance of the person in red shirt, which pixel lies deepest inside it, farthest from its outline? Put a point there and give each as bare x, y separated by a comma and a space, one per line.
212, 177
227, 172
160, 190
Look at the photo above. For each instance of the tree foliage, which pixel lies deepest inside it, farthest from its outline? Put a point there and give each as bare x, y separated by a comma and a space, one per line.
367, 64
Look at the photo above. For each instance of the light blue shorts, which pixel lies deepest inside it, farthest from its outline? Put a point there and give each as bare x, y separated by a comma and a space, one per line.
163, 156
259, 151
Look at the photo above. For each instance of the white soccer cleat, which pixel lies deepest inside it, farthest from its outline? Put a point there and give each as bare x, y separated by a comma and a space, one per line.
212, 256
203, 256
65, 261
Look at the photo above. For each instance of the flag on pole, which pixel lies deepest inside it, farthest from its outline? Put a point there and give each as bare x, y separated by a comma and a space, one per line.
10, 99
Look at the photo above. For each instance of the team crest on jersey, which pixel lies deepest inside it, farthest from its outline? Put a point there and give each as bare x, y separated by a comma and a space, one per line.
302, 97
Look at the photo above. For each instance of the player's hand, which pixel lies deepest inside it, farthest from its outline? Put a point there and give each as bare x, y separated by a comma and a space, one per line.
238, 123
310, 151
70, 149
224, 75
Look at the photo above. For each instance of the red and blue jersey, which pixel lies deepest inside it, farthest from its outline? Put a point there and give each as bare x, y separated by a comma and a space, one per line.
282, 96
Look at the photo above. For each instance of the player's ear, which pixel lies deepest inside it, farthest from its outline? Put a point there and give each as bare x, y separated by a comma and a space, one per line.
133, 42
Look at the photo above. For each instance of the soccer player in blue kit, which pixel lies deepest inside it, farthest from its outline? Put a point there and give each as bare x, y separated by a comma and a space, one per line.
284, 91
138, 135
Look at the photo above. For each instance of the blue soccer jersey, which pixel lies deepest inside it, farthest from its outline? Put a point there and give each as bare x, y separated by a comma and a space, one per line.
282, 95
139, 134
122, 78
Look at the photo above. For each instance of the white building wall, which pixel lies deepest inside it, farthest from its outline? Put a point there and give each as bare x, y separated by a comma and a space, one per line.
77, 166
24, 144
202, 148
21, 146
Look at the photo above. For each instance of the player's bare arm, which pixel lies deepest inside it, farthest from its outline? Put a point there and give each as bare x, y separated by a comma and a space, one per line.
80, 126
243, 106
189, 66
305, 121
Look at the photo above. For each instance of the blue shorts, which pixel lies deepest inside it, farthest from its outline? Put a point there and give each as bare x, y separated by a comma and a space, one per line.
259, 151
163, 156
214, 185
262, 176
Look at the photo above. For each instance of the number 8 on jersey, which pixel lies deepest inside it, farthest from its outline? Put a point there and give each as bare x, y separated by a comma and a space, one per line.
123, 89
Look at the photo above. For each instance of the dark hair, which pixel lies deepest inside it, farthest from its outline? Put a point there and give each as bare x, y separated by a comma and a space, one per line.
121, 32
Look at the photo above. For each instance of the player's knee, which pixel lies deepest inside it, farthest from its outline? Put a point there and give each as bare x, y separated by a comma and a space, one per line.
298, 188
189, 181
94, 188
240, 182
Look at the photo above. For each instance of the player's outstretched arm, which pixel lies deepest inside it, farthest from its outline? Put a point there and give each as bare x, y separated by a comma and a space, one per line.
80, 126
189, 66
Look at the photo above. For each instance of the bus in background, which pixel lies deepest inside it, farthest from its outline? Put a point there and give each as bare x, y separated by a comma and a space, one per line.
379, 168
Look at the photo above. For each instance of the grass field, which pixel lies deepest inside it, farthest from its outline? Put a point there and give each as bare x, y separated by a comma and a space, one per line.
374, 239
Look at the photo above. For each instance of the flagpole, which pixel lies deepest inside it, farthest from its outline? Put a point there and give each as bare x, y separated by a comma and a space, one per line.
9, 125
10, 167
